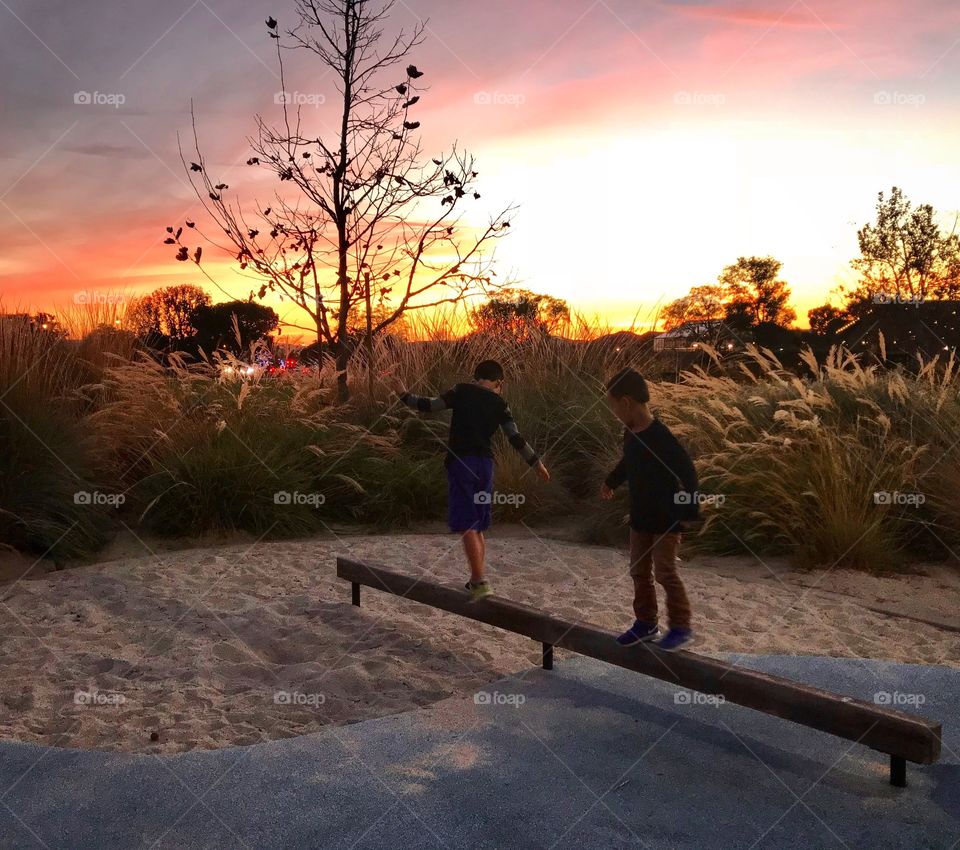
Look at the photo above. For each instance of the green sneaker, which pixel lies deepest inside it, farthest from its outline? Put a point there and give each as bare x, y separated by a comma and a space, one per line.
478, 591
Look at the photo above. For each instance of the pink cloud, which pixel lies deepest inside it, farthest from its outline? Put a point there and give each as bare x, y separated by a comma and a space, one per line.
801, 18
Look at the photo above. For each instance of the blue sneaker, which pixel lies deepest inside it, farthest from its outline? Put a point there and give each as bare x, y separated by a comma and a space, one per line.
638, 633
674, 639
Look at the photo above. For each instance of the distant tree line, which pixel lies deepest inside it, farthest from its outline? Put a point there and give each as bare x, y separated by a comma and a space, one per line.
906, 258
184, 318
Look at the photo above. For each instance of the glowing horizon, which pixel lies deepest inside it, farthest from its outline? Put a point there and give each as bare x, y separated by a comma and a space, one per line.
647, 147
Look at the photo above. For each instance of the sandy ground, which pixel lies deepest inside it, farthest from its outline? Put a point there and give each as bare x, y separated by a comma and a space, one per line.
237, 644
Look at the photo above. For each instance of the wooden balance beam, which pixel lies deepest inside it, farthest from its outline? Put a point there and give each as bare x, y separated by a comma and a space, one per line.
904, 737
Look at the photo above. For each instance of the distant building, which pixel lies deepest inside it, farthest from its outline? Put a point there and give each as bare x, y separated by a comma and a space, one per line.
689, 336
926, 327
39, 322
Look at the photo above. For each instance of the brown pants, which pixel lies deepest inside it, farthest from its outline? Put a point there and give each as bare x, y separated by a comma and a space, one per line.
655, 556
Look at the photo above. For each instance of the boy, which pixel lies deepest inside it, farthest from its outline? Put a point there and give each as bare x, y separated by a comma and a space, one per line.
478, 410
663, 490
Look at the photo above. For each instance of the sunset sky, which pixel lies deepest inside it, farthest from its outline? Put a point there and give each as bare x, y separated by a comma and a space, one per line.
647, 144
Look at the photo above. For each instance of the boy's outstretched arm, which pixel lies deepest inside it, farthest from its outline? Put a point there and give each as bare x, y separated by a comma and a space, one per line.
525, 450
426, 404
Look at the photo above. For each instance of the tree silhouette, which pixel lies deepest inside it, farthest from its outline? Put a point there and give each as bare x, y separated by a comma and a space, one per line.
904, 255
232, 325
701, 304
826, 320
166, 312
520, 315
754, 294
376, 221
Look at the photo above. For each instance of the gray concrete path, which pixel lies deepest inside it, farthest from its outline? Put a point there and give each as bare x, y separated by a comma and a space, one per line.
586, 756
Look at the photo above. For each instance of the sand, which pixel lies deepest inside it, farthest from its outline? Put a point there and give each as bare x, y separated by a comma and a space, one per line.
231, 645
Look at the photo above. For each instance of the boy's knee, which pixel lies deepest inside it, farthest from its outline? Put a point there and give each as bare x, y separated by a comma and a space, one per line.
666, 573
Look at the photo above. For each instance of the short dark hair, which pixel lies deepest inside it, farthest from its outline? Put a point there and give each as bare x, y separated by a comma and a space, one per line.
629, 382
488, 370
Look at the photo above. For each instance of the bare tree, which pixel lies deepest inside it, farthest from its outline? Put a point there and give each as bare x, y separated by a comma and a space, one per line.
376, 223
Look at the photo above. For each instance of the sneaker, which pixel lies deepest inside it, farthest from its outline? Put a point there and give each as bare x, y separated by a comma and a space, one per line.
674, 639
638, 633
478, 591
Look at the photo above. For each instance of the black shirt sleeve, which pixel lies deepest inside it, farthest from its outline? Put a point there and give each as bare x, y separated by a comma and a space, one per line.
450, 398
678, 460
426, 404
675, 456
618, 475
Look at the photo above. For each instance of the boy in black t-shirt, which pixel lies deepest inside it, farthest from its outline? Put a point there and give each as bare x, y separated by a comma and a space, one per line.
663, 496
478, 411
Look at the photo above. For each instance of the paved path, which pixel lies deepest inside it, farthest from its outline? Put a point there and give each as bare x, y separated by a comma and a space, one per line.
586, 756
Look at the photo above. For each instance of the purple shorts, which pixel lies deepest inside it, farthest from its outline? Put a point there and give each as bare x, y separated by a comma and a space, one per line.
470, 492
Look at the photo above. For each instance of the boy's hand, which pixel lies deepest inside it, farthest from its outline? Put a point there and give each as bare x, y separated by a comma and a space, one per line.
542, 471
606, 493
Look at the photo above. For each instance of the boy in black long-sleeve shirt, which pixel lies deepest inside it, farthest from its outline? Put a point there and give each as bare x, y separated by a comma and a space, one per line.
663, 495
478, 411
